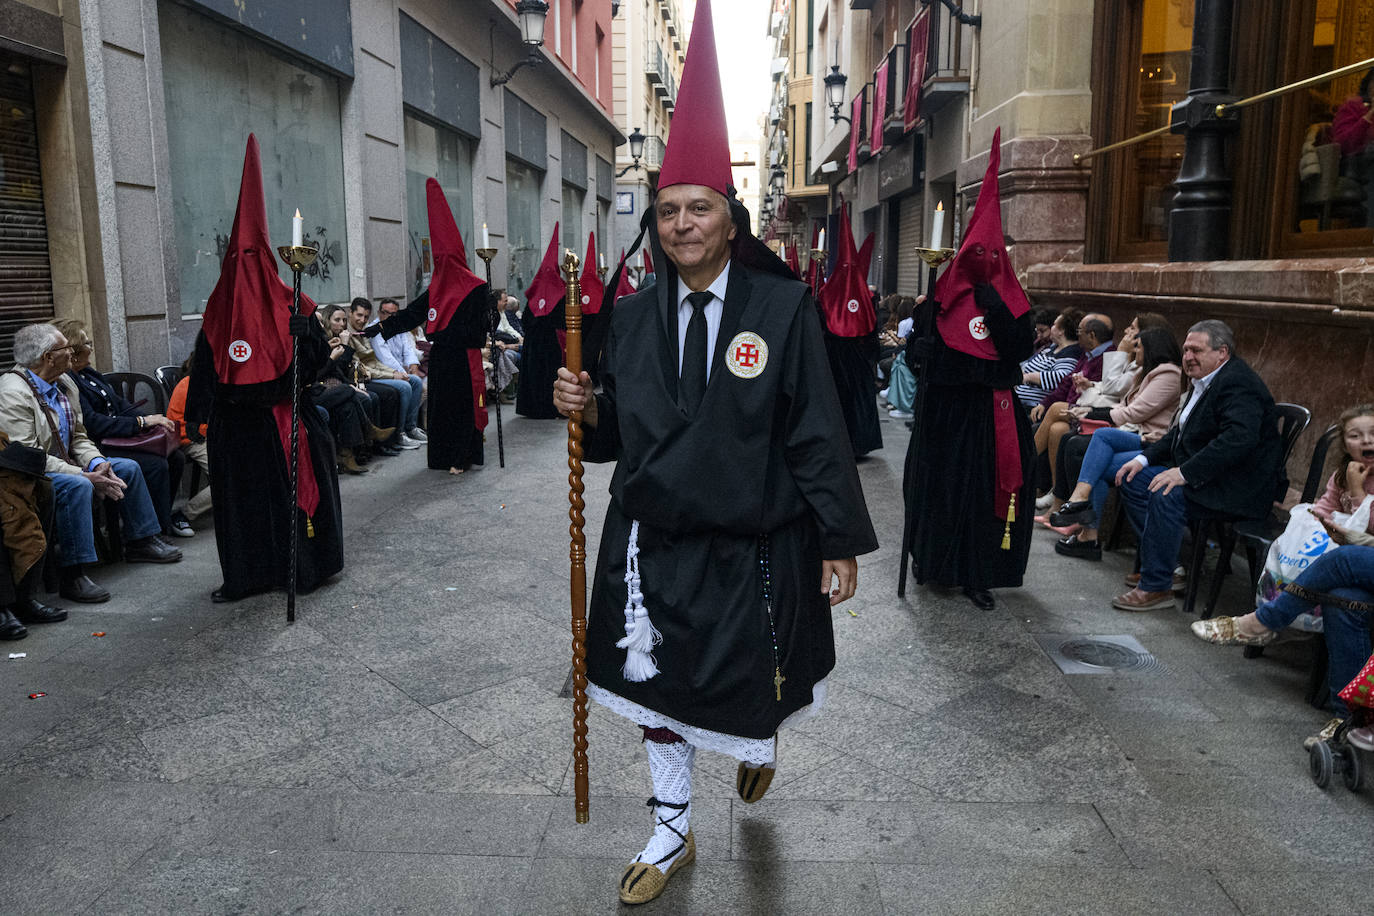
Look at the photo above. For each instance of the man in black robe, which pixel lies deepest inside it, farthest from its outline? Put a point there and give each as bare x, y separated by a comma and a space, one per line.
735, 502
457, 313
241, 386
542, 352
851, 339
968, 486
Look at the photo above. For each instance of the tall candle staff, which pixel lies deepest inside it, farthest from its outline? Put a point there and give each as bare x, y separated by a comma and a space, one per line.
486, 253
577, 552
298, 257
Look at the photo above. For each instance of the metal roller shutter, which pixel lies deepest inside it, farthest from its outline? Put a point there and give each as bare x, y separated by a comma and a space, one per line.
909, 277
25, 276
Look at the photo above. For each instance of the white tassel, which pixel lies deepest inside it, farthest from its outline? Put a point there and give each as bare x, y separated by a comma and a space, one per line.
640, 634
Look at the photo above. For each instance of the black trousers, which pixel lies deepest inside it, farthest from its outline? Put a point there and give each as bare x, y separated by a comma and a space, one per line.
345, 414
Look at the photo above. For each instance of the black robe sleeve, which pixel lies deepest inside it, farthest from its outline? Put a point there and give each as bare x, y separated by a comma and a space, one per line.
409, 318
602, 442
200, 392
817, 451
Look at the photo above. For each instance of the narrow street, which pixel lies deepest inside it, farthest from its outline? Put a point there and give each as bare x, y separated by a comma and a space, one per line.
403, 747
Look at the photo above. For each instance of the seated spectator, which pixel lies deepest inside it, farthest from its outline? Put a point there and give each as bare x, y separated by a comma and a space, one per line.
900, 392
1222, 458
109, 416
1094, 459
1342, 582
410, 388
1351, 483
891, 341
1095, 337
192, 445
399, 353
26, 499
40, 407
1052, 363
1043, 318
414, 347
1119, 367
347, 409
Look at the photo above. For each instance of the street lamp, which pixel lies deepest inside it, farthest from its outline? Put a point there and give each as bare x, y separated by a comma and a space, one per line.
636, 150
531, 14
834, 93
779, 179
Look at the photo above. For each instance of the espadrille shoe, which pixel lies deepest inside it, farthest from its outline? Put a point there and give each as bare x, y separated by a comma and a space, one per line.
752, 782
644, 881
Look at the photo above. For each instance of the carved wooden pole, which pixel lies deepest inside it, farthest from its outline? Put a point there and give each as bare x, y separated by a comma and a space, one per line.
577, 552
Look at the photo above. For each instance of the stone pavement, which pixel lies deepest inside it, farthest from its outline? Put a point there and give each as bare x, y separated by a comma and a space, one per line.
402, 747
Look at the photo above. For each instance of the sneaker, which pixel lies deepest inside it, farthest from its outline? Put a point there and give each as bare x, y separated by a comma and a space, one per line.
404, 441
1326, 734
900, 414
180, 526
418, 434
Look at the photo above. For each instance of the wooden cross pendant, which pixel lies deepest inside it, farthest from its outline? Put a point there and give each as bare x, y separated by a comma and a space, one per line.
777, 681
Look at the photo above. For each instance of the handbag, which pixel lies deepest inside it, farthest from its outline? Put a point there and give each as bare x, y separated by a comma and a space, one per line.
156, 440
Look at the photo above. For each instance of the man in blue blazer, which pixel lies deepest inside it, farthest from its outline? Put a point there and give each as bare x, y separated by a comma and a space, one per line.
1221, 458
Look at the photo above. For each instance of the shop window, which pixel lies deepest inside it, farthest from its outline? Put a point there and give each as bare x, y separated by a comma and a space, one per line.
220, 86
446, 156
522, 225
571, 235
1328, 174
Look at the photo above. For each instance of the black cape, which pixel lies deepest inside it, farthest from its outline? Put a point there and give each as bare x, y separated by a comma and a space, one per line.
454, 439
763, 456
852, 363
250, 481
957, 534
541, 356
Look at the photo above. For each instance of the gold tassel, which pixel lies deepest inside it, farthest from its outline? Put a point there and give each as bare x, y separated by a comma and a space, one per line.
1011, 517
309, 527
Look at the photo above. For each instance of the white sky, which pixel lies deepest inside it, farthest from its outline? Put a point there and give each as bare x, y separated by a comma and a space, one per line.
745, 51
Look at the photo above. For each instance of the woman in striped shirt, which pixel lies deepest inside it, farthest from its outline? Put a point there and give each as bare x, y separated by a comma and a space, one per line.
1046, 368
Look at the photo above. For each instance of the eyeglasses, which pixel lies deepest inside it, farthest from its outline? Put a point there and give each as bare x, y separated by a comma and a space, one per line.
69, 347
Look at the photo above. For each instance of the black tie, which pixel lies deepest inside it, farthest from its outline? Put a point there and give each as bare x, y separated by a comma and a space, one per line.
692, 383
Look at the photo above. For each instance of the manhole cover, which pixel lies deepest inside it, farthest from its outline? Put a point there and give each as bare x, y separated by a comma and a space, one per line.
1098, 654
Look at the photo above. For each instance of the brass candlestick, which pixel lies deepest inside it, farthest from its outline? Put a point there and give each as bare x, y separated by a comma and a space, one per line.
298, 258
601, 273
486, 254
934, 257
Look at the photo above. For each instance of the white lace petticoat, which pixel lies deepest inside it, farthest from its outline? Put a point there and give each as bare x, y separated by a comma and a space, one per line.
754, 751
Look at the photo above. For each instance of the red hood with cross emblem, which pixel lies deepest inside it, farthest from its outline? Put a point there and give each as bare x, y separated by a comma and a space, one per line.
246, 316
982, 258
845, 299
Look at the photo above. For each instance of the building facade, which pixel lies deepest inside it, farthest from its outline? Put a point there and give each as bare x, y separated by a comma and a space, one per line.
1261, 216
130, 119
650, 46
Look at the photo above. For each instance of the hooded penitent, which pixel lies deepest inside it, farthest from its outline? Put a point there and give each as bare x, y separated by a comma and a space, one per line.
623, 286
450, 286
845, 301
593, 290
247, 315
548, 289
982, 258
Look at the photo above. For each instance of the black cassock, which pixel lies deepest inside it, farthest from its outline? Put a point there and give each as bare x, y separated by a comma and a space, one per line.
763, 455
250, 480
541, 356
957, 533
852, 363
454, 439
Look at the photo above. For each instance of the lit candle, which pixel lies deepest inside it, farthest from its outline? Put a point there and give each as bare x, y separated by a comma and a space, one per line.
297, 230
486, 239
782, 250
820, 242
937, 227
601, 260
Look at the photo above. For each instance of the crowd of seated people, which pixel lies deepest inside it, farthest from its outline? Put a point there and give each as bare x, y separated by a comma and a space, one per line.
76, 456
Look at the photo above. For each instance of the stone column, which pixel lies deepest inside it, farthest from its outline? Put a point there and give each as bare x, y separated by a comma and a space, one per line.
1200, 222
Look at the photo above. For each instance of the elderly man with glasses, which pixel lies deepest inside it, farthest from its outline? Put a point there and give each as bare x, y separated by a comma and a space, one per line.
40, 407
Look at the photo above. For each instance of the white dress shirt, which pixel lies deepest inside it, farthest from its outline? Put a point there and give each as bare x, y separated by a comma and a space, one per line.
712, 311
1200, 386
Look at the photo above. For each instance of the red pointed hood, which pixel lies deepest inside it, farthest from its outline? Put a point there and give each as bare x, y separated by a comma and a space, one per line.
548, 288
452, 280
624, 287
246, 316
699, 146
845, 300
648, 260
792, 261
593, 290
982, 258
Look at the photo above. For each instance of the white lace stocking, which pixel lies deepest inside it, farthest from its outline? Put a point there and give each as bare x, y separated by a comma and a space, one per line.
670, 766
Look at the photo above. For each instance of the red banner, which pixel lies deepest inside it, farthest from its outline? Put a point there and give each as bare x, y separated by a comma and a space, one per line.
875, 134
918, 40
856, 117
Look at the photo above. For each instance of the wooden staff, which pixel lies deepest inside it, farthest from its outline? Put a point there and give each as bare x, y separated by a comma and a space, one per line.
577, 552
